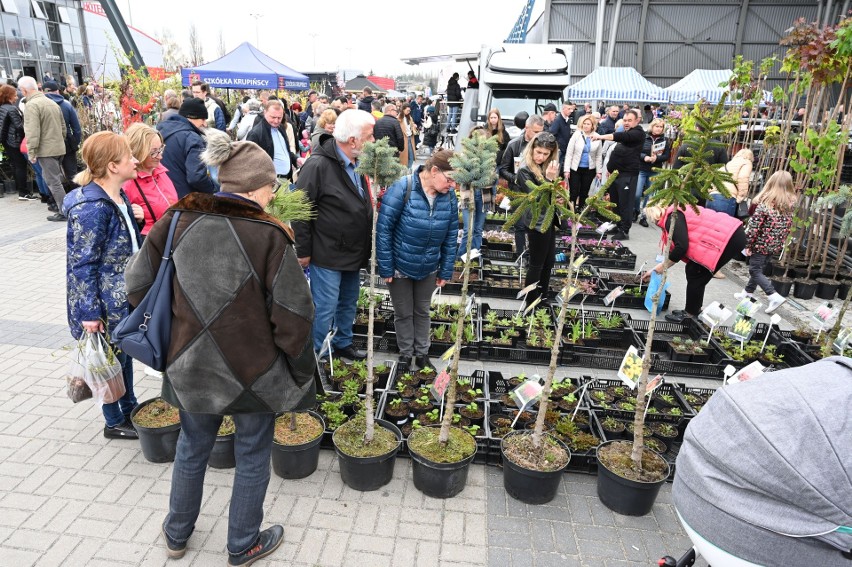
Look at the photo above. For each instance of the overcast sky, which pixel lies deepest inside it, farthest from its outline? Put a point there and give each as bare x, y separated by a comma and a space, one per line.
361, 35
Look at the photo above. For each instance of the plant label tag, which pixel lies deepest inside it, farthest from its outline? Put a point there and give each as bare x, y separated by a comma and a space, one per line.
654, 383
748, 307
729, 371
526, 290
843, 339
747, 373
631, 367
775, 319
448, 353
605, 227
743, 328
468, 307
659, 147
526, 392
532, 306
824, 313
579, 262
715, 314
506, 204
439, 386
568, 292
642, 267
610, 298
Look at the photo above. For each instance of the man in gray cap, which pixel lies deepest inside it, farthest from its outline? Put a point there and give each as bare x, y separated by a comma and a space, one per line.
183, 136
549, 114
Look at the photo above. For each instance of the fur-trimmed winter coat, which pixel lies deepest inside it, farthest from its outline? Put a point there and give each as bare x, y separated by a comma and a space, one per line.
242, 308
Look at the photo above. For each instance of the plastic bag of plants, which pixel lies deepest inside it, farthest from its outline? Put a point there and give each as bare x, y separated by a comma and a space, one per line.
101, 368
77, 389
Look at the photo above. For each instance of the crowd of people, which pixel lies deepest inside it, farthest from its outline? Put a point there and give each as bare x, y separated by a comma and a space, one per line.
248, 326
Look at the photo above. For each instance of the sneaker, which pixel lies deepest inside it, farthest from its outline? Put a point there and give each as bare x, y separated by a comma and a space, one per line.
775, 301
267, 542
124, 430
676, 317
28, 197
175, 551
743, 294
57, 217
53, 208
643, 221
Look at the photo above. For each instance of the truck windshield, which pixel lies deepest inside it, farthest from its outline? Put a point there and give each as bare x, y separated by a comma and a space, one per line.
511, 102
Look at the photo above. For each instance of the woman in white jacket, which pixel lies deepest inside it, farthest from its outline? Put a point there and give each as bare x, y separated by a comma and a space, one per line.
582, 161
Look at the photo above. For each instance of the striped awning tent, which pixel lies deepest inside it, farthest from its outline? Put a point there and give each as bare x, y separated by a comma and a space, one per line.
703, 84
616, 84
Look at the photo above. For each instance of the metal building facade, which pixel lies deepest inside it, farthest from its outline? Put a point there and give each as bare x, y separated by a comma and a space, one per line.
667, 39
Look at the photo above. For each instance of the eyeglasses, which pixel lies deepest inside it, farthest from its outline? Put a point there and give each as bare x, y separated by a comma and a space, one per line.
158, 152
276, 185
447, 176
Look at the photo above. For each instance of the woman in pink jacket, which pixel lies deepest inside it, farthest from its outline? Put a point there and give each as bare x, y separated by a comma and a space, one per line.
152, 189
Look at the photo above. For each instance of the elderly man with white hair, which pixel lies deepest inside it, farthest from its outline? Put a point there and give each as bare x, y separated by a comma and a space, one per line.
336, 244
45, 131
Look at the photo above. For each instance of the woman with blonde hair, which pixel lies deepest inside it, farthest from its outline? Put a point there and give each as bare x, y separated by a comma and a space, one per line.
494, 128
540, 164
151, 189
656, 151
768, 229
740, 168
583, 160
325, 125
102, 236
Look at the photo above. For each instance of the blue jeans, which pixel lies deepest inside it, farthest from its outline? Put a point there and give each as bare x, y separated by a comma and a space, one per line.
478, 223
252, 449
116, 412
42, 186
453, 114
335, 303
412, 144
642, 186
718, 202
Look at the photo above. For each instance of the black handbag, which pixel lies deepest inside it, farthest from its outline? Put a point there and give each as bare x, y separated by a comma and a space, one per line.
145, 333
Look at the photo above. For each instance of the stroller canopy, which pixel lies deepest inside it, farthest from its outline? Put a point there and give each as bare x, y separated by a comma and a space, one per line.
774, 453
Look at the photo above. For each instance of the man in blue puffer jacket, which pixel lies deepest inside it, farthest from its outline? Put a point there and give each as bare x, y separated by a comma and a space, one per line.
184, 141
416, 248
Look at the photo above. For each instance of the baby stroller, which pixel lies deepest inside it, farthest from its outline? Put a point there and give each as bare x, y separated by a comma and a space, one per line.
764, 476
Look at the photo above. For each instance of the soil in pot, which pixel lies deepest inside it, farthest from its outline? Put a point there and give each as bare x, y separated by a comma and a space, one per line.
397, 411
475, 415
532, 474
656, 445
296, 446
222, 455
158, 425
613, 428
623, 489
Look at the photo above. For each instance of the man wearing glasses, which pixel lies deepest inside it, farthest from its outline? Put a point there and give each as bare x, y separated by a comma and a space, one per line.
336, 244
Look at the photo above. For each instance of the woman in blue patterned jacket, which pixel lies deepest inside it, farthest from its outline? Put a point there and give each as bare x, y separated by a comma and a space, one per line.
416, 248
102, 235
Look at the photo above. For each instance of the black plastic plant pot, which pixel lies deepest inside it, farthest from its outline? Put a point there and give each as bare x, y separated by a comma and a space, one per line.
439, 480
827, 290
804, 289
625, 496
159, 445
369, 473
530, 486
843, 289
222, 455
782, 287
298, 461
777, 271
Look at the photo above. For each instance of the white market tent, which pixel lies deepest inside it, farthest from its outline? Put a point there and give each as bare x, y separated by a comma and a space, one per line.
616, 84
703, 84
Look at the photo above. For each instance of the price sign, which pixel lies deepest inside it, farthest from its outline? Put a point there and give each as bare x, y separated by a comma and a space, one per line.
568, 292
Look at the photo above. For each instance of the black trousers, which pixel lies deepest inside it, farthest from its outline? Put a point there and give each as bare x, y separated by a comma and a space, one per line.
622, 192
542, 257
19, 165
579, 185
697, 276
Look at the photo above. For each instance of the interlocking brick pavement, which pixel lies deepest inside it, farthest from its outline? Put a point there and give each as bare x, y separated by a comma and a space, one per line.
70, 498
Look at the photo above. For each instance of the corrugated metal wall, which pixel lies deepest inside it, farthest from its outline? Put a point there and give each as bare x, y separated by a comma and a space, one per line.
680, 35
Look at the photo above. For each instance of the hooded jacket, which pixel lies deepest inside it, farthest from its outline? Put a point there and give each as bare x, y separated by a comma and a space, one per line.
182, 156
242, 309
413, 237
72, 123
99, 246
339, 237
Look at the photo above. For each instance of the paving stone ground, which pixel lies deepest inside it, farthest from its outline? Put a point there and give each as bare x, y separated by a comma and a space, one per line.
69, 497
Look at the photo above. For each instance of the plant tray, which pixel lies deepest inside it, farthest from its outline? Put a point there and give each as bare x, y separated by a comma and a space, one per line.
683, 389
381, 385
628, 415
498, 385
502, 255
663, 333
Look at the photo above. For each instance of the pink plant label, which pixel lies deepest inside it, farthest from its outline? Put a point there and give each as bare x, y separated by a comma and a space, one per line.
441, 383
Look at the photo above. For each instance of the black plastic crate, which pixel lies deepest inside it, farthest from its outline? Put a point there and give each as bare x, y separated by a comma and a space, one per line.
628, 415
683, 389
520, 353
498, 384
664, 331
381, 385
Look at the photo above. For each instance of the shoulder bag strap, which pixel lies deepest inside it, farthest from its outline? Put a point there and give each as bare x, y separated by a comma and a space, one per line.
147, 204
167, 250
408, 183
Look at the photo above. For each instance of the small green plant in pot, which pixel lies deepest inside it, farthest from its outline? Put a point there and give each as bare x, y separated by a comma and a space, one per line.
534, 461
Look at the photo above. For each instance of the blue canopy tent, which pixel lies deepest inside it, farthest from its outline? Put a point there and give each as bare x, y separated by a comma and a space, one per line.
623, 84
703, 84
246, 67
